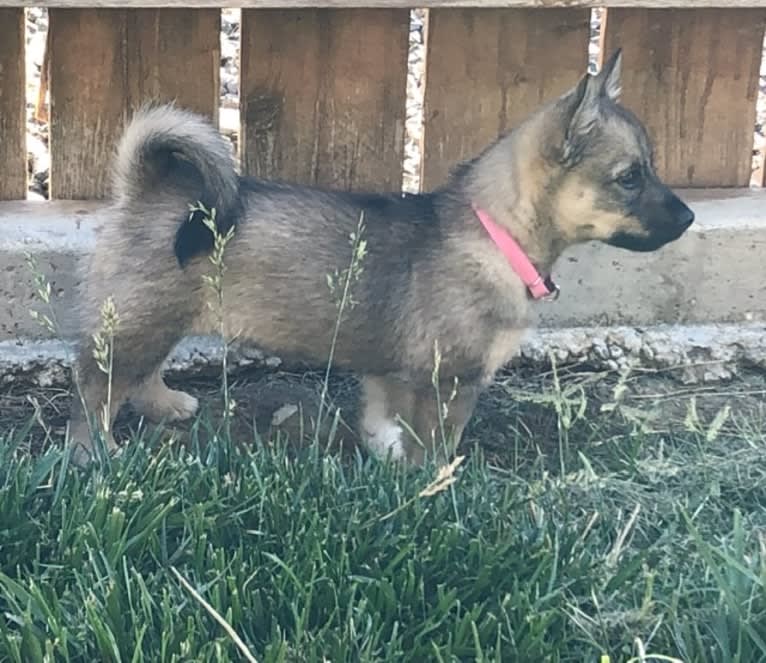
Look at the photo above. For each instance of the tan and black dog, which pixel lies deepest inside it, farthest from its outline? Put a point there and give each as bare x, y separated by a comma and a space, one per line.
459, 266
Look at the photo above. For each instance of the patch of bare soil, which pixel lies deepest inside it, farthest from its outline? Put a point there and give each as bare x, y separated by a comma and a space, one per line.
524, 416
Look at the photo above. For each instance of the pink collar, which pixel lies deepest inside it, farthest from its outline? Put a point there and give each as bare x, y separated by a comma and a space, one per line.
539, 287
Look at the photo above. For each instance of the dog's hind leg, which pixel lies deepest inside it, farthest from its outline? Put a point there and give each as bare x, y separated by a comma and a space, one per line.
149, 325
95, 405
157, 402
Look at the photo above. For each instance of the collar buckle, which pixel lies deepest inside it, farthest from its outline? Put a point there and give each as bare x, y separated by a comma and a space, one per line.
553, 295
553, 290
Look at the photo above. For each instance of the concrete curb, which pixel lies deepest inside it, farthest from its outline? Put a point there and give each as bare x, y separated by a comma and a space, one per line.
714, 274
693, 354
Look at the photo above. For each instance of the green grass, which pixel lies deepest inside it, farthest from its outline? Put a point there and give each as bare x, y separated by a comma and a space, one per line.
644, 543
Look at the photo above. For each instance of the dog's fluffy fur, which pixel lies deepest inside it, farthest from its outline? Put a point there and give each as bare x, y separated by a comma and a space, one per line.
579, 169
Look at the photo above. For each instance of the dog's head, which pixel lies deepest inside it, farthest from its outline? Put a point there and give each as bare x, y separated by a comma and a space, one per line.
606, 187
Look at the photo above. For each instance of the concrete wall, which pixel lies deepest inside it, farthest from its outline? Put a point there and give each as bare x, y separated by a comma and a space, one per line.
715, 274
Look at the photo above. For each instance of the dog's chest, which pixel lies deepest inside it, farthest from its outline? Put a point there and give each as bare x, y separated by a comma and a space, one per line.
501, 349
511, 313
500, 316
482, 344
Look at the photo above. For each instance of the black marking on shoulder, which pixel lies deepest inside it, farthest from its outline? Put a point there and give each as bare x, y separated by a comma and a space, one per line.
405, 207
249, 184
461, 169
408, 207
194, 238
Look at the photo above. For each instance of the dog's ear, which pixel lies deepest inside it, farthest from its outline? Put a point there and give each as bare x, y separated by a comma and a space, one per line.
582, 112
584, 107
610, 76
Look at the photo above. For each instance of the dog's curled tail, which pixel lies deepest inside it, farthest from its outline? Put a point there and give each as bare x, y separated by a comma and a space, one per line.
165, 147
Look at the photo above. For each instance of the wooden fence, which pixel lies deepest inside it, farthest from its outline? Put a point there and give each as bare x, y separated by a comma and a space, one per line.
323, 84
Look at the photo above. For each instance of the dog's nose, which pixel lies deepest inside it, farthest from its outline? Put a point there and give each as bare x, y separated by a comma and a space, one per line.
686, 216
683, 216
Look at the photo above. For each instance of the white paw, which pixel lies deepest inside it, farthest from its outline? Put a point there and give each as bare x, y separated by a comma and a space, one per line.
385, 438
180, 406
167, 405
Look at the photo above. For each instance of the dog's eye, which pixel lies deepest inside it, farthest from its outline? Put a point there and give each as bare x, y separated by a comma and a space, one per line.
630, 179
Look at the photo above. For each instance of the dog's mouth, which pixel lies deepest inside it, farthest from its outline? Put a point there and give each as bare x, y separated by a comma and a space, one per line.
652, 242
660, 224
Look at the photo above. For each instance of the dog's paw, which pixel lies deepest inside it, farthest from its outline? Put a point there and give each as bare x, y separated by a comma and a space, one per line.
180, 406
385, 439
165, 405
177, 406
83, 453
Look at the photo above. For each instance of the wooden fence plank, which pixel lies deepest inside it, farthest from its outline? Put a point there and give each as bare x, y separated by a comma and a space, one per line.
104, 64
174, 54
323, 96
487, 69
13, 126
389, 4
87, 94
692, 77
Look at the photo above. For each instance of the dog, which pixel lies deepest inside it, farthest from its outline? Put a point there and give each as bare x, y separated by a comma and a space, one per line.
446, 280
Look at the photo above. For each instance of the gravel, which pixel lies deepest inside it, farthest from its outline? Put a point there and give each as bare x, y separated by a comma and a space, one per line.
690, 354
37, 141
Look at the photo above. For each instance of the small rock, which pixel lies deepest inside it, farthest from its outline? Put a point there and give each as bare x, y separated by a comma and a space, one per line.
600, 349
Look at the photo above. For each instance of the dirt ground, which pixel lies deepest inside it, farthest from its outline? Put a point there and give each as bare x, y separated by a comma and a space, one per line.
526, 412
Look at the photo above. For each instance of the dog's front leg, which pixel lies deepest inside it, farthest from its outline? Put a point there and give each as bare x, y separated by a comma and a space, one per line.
439, 421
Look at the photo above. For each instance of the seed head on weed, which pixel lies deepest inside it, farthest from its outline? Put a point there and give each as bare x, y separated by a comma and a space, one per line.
445, 477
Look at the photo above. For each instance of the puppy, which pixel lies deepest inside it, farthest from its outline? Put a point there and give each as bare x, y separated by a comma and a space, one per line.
447, 275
